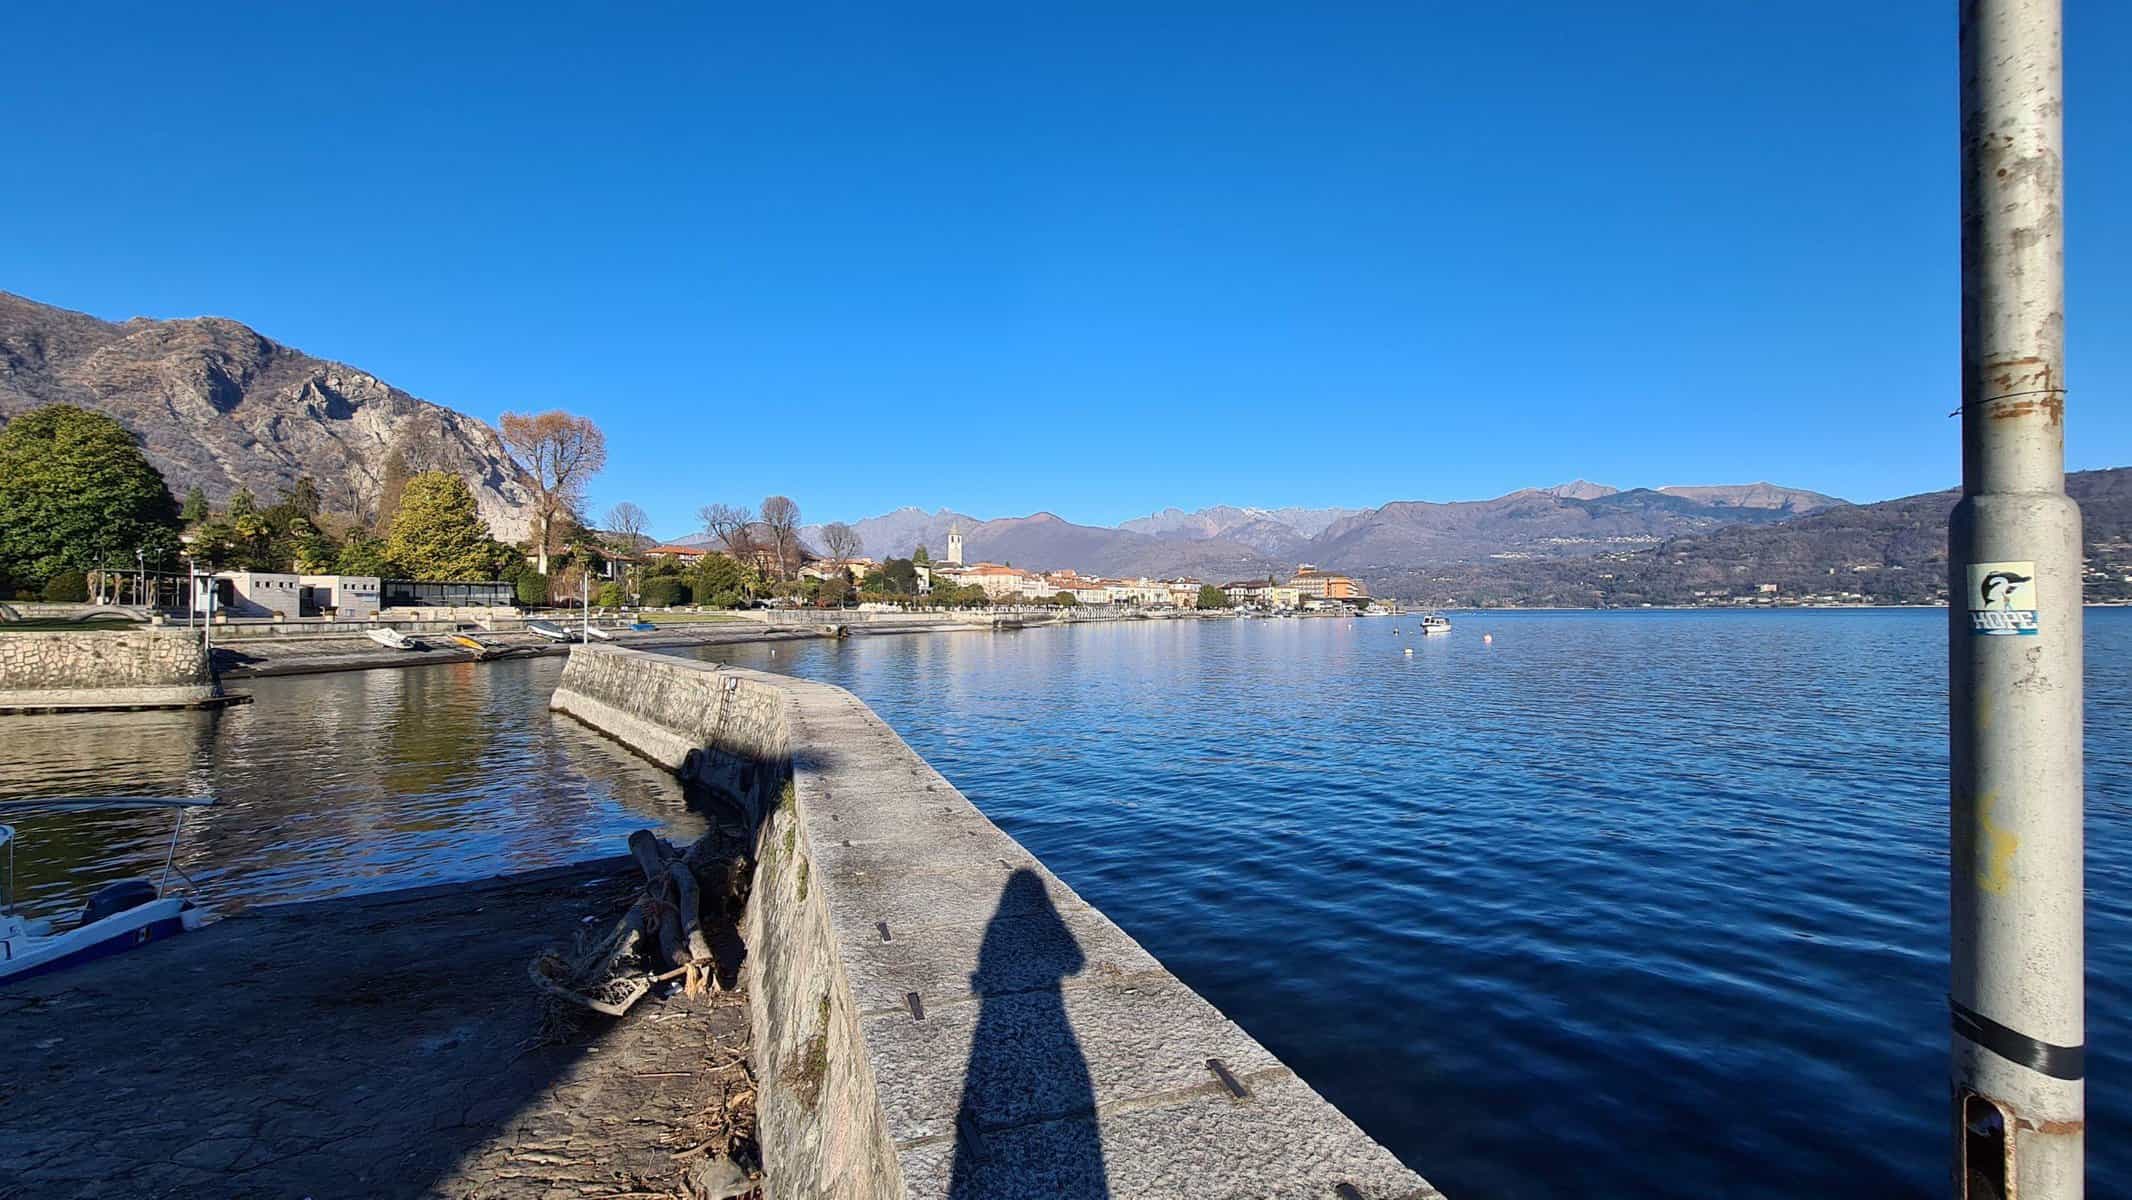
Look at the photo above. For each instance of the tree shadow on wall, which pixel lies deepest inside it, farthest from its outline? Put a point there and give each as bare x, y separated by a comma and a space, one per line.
1027, 1122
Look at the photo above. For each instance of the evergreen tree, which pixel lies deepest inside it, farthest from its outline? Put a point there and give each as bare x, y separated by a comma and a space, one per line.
303, 498
719, 581
74, 484
242, 503
195, 509
437, 534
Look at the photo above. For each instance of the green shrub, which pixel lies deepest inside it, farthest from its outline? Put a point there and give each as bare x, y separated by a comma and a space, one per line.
611, 595
664, 592
67, 587
532, 589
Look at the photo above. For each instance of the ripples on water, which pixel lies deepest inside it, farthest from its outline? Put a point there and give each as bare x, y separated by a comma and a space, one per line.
1641, 904
329, 784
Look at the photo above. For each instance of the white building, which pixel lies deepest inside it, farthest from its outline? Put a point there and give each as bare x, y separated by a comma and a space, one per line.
343, 597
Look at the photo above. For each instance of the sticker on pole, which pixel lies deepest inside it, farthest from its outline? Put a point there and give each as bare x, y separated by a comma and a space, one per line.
2002, 599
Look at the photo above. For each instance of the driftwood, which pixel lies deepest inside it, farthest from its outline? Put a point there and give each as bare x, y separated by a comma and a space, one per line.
661, 937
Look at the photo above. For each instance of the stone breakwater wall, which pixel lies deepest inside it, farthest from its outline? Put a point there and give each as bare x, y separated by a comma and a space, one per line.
937, 1014
104, 669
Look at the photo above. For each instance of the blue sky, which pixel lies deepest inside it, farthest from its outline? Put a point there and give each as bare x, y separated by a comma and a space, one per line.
1089, 258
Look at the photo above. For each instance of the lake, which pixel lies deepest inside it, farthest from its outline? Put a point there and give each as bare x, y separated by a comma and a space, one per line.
1639, 903
1624, 903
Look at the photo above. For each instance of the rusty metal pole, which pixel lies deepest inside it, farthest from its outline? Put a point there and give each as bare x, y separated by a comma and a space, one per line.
2014, 635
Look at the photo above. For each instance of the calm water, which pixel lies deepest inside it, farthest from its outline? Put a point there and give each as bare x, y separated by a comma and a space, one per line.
1643, 904
331, 784
1624, 904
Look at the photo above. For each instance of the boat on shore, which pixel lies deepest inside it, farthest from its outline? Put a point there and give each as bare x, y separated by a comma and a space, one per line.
602, 634
550, 630
117, 917
391, 639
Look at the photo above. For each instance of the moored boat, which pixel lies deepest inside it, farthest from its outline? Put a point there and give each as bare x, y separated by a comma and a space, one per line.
117, 917
1435, 623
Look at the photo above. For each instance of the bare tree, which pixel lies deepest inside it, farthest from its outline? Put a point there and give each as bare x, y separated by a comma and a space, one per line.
625, 528
626, 538
842, 542
780, 523
728, 525
560, 453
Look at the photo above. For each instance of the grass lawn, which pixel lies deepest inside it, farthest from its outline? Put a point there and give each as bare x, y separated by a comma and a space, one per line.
686, 618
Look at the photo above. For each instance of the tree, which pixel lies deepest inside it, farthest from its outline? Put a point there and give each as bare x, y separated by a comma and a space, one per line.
901, 576
720, 582
727, 526
626, 524
835, 591
1064, 600
920, 556
303, 497
560, 453
362, 555
392, 484
195, 509
438, 534
610, 595
74, 485
842, 542
242, 503
1212, 597
780, 523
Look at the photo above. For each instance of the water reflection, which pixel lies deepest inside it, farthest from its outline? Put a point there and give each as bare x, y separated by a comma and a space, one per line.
334, 783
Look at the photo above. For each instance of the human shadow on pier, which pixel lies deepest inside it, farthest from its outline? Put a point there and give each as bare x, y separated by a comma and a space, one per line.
1027, 1125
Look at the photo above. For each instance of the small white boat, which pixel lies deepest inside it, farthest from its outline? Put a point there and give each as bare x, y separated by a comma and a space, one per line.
118, 916
602, 634
550, 631
1435, 623
391, 639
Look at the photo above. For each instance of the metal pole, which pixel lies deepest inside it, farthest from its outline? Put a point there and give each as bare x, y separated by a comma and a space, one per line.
2014, 635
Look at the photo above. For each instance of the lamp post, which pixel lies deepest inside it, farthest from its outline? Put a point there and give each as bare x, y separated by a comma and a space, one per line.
2014, 636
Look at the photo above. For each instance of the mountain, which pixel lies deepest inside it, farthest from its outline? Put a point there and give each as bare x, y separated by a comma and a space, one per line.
219, 405
1756, 495
1575, 519
1892, 552
1223, 520
1569, 520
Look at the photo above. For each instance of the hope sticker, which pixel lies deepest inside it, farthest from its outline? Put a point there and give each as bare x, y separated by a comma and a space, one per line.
2002, 599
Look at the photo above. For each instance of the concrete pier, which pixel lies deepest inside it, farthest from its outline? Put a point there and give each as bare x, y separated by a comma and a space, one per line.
936, 1014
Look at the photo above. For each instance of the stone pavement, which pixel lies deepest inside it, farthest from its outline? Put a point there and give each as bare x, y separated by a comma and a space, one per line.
375, 1046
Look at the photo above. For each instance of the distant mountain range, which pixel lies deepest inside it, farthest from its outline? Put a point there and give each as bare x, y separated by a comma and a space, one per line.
1893, 552
219, 406
1234, 542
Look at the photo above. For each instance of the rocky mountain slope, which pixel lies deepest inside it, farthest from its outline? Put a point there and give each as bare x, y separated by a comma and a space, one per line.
1891, 552
219, 405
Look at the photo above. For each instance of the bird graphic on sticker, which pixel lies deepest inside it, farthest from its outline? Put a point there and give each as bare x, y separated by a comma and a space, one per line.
2002, 599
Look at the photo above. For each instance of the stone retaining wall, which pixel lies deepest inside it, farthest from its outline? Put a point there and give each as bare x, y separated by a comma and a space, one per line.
108, 668
936, 1013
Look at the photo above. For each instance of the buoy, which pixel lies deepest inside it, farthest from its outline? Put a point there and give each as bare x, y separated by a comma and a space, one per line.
1410, 651
1487, 639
